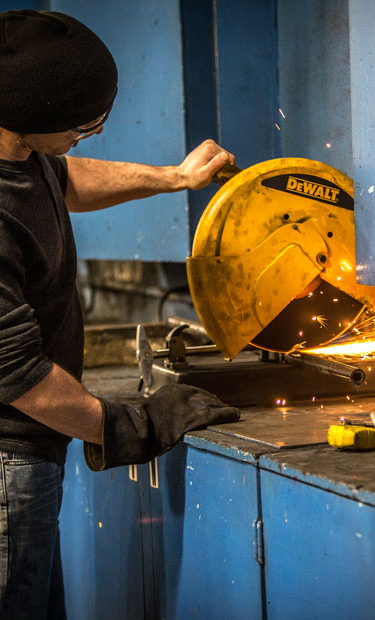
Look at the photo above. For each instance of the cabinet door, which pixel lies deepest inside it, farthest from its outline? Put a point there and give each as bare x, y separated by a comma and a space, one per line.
101, 542
319, 552
203, 537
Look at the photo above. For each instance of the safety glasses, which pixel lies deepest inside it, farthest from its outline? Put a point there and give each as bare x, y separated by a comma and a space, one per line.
88, 128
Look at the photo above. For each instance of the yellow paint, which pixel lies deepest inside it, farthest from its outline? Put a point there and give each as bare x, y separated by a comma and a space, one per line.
351, 436
257, 248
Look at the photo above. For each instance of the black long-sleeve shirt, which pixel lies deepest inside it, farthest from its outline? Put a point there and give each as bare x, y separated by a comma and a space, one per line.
40, 315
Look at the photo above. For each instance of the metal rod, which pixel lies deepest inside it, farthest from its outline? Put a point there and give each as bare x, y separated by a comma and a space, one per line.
202, 348
321, 364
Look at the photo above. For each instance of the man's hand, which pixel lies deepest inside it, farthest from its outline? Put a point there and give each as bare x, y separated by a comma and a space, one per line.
137, 436
202, 163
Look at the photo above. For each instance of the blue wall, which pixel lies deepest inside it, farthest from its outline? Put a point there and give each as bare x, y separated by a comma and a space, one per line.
189, 70
314, 81
362, 51
146, 125
266, 79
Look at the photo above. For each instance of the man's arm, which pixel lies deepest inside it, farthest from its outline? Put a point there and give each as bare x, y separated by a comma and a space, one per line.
95, 184
61, 403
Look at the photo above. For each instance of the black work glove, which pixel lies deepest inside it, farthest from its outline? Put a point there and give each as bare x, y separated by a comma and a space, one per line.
138, 435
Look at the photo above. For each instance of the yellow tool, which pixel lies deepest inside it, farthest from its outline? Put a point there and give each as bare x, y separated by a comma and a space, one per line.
349, 436
273, 259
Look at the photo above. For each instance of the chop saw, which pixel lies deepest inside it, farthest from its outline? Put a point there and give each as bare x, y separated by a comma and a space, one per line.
273, 259
272, 272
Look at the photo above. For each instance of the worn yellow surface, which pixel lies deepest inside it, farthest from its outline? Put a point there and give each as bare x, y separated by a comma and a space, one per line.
258, 247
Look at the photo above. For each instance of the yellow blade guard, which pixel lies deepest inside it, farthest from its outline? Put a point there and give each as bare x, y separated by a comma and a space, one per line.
265, 240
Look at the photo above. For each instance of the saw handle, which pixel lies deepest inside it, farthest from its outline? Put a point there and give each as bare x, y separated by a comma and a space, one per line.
225, 174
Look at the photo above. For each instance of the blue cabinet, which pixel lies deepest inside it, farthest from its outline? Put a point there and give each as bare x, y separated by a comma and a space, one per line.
222, 528
203, 537
101, 540
173, 540
318, 535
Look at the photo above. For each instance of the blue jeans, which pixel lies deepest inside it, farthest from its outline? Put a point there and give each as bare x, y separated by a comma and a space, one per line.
31, 585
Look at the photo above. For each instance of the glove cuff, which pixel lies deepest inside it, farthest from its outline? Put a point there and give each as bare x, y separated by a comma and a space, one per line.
127, 438
97, 456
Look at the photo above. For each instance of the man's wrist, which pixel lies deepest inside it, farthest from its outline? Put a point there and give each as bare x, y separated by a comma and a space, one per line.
178, 179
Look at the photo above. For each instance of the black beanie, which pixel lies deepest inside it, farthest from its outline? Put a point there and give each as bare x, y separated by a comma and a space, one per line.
55, 73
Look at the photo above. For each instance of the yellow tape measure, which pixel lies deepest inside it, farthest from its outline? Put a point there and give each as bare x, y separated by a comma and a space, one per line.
352, 437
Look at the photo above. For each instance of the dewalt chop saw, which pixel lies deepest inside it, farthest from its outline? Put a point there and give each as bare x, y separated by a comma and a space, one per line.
272, 273
273, 260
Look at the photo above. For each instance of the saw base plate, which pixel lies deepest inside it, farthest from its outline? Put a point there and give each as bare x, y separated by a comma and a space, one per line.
248, 380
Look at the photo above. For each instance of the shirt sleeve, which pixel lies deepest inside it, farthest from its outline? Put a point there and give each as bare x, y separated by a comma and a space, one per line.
22, 361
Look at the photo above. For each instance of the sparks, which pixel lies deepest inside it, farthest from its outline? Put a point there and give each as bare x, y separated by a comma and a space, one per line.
321, 320
282, 113
281, 401
353, 348
357, 341
277, 127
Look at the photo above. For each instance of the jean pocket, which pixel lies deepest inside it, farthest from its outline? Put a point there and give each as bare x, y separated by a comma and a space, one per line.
18, 458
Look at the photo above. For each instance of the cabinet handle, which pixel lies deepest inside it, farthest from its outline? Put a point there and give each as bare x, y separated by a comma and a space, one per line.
133, 473
154, 476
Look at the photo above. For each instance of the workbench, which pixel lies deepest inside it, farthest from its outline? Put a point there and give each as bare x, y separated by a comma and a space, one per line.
221, 527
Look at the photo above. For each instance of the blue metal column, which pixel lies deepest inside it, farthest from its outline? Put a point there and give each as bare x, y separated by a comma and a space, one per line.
314, 118
362, 61
247, 78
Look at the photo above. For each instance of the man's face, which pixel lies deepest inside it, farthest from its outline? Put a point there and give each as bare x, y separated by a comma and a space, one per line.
56, 143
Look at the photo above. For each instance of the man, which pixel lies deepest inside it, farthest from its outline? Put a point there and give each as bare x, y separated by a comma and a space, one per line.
58, 83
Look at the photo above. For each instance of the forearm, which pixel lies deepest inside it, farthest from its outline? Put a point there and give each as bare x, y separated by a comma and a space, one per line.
95, 184
62, 403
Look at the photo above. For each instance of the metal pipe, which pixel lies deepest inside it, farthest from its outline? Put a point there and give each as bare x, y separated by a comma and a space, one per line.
198, 349
321, 364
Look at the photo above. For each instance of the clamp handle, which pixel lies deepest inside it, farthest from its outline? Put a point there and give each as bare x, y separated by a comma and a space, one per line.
176, 348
